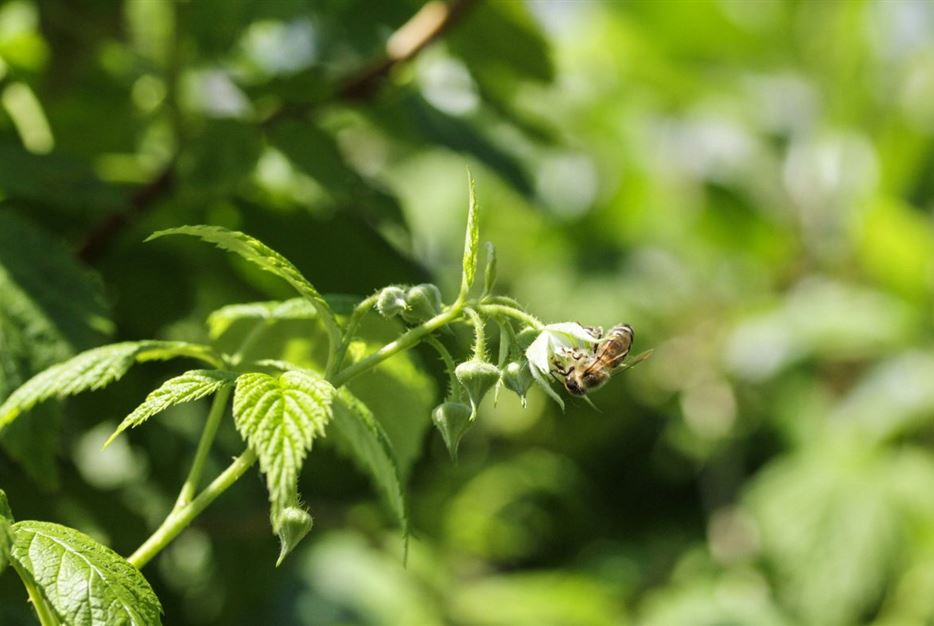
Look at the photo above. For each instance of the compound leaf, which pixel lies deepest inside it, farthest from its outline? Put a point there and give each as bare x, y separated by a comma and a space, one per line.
94, 369
187, 387
367, 442
293, 309
260, 254
279, 417
82, 581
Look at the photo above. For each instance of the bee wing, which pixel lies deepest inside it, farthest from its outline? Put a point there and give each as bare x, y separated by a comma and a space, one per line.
642, 356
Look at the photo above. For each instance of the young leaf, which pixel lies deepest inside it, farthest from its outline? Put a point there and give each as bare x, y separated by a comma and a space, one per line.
489, 274
279, 417
293, 309
189, 386
94, 369
366, 440
263, 256
83, 582
472, 240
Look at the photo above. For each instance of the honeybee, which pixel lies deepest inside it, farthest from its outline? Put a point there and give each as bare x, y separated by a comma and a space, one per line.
584, 372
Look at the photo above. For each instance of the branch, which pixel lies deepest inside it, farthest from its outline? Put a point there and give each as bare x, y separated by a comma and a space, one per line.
430, 22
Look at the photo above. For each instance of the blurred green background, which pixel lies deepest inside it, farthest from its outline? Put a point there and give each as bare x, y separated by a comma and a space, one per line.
749, 184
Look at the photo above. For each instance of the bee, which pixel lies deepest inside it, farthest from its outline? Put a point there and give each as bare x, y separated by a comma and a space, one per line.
584, 372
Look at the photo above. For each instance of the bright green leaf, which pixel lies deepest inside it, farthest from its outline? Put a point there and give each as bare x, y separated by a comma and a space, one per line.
279, 417
472, 240
261, 255
189, 386
293, 309
83, 582
370, 447
93, 369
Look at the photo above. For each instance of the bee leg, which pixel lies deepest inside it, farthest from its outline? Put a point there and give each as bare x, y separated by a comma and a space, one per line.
595, 331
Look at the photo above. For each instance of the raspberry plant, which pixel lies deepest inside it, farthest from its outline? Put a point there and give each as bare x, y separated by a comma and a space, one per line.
278, 408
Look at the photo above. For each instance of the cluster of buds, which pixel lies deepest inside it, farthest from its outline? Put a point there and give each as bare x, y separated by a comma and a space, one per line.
413, 304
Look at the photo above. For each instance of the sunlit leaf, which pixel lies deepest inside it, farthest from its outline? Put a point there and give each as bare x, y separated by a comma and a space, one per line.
94, 369
83, 582
279, 417
189, 386
293, 309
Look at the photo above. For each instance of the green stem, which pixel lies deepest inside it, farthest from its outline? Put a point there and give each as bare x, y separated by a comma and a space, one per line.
479, 334
404, 342
355, 318
249, 341
204, 447
179, 519
509, 311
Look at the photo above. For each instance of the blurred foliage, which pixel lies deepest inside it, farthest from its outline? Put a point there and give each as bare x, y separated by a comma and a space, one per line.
749, 184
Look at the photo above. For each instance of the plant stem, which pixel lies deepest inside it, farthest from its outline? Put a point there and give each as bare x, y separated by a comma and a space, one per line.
179, 519
404, 342
359, 311
45, 614
204, 446
479, 334
508, 311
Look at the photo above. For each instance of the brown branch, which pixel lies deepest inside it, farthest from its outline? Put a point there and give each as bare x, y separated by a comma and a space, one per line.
432, 21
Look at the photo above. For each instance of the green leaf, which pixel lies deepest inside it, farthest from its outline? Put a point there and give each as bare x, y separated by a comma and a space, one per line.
94, 369
6, 537
472, 240
261, 255
279, 417
83, 582
190, 386
489, 273
293, 309
370, 447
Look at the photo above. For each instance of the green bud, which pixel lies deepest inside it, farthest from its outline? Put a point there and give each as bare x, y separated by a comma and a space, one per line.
517, 376
452, 419
391, 301
477, 377
422, 303
292, 525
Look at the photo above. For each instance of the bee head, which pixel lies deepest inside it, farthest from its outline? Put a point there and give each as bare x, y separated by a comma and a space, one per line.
574, 388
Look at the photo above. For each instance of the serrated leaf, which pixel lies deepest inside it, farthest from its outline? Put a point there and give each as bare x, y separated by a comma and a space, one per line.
370, 447
82, 581
93, 369
293, 309
472, 239
261, 255
279, 417
187, 387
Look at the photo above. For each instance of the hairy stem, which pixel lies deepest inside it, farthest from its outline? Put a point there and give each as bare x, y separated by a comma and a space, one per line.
204, 447
355, 318
509, 311
479, 334
404, 342
180, 518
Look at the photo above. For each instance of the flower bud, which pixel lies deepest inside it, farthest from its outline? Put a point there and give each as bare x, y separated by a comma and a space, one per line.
477, 377
452, 419
292, 524
517, 376
422, 303
391, 301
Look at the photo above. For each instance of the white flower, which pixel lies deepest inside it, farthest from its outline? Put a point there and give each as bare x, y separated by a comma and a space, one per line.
556, 343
